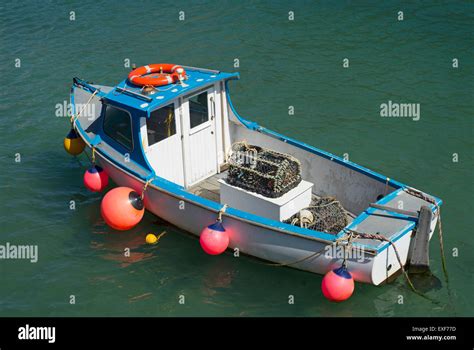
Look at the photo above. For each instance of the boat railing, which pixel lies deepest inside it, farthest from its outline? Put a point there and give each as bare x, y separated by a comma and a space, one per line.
133, 93
85, 84
203, 70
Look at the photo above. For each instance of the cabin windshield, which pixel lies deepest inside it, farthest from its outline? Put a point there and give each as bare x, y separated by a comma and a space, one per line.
161, 124
118, 126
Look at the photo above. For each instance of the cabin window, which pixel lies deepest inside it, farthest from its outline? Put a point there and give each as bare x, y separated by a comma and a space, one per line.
118, 126
161, 124
198, 112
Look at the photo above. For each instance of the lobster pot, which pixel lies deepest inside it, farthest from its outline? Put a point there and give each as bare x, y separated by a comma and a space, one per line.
324, 214
263, 171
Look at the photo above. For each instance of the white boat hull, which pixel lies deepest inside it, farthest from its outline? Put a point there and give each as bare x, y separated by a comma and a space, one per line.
260, 241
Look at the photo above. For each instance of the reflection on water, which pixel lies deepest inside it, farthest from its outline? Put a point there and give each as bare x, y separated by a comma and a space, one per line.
125, 248
217, 275
425, 282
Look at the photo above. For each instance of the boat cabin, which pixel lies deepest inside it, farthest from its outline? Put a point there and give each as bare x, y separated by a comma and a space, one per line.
179, 131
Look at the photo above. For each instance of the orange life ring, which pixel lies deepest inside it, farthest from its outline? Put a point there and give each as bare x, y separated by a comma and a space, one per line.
166, 74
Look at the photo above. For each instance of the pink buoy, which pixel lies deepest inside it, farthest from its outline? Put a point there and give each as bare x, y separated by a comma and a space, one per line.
338, 285
96, 179
214, 240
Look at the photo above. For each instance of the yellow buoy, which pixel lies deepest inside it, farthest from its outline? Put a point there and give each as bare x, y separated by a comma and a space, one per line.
73, 143
151, 238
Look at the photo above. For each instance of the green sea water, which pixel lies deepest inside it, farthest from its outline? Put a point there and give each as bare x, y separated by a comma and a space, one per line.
282, 63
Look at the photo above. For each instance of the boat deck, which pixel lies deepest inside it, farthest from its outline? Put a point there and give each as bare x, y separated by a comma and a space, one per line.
373, 221
209, 188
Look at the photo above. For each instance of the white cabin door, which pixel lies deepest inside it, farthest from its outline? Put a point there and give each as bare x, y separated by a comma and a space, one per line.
199, 136
161, 137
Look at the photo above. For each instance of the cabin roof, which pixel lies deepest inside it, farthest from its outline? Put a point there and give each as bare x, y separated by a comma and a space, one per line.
197, 78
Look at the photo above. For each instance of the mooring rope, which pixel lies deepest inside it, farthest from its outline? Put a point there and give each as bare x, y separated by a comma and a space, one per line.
74, 118
221, 212
93, 155
297, 261
159, 236
351, 235
336, 242
146, 186
380, 237
345, 247
92, 158
348, 238
441, 244
416, 193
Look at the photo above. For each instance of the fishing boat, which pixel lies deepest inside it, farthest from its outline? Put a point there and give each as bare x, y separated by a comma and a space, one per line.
173, 130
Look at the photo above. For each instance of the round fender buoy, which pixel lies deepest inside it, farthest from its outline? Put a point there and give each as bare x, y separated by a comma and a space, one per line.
73, 143
214, 240
151, 238
96, 179
122, 208
338, 284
